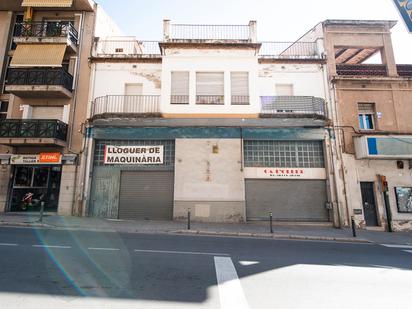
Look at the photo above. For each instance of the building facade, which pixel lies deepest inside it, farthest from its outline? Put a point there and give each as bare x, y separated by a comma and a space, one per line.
209, 121
44, 56
371, 110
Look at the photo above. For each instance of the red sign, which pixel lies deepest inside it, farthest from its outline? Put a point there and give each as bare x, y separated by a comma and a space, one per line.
50, 157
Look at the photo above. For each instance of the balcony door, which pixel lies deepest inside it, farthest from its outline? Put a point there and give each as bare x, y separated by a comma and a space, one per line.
132, 102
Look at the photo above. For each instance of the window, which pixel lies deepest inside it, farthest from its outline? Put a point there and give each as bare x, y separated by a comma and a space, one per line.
404, 199
365, 115
179, 93
4, 106
210, 88
272, 153
284, 89
239, 82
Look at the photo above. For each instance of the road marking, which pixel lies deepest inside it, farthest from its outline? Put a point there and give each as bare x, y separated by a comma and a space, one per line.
230, 291
409, 251
51, 247
180, 252
104, 249
8, 245
398, 246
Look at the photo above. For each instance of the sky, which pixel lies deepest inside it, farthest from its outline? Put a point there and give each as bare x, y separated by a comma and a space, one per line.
276, 20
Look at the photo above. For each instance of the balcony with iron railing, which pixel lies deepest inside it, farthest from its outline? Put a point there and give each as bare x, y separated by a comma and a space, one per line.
127, 105
290, 50
292, 106
46, 32
123, 48
39, 82
32, 132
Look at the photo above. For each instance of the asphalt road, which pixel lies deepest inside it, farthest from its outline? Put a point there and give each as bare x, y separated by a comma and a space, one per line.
78, 269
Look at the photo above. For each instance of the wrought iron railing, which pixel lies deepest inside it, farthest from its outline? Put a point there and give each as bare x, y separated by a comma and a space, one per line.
105, 48
127, 104
289, 50
292, 105
40, 76
210, 32
210, 99
361, 69
404, 70
33, 128
47, 29
240, 100
179, 99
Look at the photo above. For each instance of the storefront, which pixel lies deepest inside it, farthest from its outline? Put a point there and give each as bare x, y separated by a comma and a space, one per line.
35, 181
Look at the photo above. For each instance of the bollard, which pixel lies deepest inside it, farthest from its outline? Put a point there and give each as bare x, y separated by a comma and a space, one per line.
41, 211
353, 226
271, 222
188, 219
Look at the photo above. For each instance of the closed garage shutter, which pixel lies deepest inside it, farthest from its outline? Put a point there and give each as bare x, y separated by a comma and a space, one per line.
288, 200
146, 195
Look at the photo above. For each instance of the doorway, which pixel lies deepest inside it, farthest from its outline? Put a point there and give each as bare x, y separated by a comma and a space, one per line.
368, 203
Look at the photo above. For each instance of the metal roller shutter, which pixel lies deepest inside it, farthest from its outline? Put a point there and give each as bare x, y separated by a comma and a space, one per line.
180, 83
239, 82
146, 195
210, 83
47, 112
288, 200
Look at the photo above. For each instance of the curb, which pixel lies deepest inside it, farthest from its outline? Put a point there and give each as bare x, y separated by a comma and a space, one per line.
273, 236
192, 232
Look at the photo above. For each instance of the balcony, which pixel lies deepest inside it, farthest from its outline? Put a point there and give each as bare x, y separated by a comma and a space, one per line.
292, 107
290, 50
112, 106
17, 132
361, 70
39, 83
46, 32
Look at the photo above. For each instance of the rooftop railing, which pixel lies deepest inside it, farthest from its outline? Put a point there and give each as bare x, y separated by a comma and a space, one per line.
209, 32
33, 128
292, 105
125, 48
361, 70
404, 70
127, 104
47, 29
289, 50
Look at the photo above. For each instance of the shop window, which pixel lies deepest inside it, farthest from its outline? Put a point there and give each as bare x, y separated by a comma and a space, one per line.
23, 176
4, 106
404, 199
366, 113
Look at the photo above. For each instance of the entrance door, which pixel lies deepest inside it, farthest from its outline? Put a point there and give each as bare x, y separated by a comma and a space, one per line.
368, 202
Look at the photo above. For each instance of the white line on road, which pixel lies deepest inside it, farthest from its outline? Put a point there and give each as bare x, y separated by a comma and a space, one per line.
104, 249
230, 291
409, 251
397, 246
9, 245
51, 247
180, 252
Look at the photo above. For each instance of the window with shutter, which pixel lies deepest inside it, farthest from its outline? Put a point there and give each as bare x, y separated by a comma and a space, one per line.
210, 88
179, 93
366, 113
47, 112
239, 82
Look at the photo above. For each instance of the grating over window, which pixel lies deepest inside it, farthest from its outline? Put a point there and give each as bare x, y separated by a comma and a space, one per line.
180, 88
239, 83
305, 154
210, 88
169, 149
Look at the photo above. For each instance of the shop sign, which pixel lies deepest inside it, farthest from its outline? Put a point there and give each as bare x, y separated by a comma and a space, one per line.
42, 158
285, 173
133, 155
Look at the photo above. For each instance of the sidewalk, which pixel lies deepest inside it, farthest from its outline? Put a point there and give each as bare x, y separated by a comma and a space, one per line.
250, 229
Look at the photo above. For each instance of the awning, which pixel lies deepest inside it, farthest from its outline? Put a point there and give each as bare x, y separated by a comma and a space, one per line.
38, 55
48, 3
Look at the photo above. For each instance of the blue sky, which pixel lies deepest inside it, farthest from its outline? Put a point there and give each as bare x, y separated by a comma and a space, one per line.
277, 20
